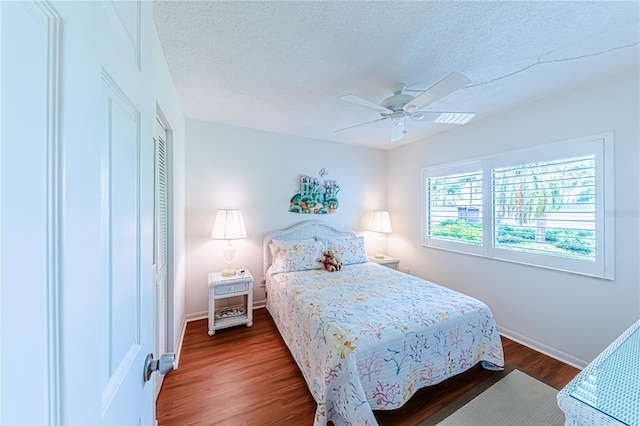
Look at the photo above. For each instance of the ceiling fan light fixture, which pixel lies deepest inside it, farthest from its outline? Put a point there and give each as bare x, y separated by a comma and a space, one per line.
410, 108
454, 118
397, 128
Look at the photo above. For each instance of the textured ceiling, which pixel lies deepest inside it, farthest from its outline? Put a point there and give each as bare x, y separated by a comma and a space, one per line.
282, 66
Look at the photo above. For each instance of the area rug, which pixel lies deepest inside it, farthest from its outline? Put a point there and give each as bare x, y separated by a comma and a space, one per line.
516, 399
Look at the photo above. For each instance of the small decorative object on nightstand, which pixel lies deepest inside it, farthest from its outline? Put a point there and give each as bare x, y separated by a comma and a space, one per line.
387, 261
223, 287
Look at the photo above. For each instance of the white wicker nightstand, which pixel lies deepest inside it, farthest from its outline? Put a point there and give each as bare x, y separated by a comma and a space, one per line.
387, 261
224, 287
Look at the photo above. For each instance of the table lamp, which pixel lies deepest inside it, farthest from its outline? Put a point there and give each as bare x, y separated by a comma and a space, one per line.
229, 225
381, 224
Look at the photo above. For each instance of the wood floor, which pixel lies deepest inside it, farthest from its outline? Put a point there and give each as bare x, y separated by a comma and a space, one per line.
246, 376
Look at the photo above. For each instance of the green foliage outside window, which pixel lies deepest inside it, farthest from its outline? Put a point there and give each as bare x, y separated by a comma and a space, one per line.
459, 230
567, 242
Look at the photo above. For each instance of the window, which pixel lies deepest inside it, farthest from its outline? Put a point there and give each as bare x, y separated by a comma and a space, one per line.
454, 206
544, 206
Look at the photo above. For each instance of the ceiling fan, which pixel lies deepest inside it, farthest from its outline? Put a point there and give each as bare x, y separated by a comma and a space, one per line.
402, 105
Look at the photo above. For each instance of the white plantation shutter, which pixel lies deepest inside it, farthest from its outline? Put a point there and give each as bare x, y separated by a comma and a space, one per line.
454, 207
454, 198
546, 207
550, 206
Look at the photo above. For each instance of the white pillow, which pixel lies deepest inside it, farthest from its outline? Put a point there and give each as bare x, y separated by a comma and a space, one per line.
347, 250
296, 255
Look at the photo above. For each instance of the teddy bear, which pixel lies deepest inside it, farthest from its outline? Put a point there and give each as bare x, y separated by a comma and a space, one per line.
331, 264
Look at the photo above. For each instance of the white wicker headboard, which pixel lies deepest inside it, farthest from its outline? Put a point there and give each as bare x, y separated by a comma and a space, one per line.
303, 230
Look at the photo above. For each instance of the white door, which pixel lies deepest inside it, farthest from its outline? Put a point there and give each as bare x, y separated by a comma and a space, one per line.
81, 83
161, 233
29, 196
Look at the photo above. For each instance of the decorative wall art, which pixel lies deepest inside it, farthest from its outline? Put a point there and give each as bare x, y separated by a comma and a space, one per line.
315, 198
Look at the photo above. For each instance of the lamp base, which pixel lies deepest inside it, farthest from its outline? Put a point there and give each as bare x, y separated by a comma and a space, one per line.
229, 252
379, 254
228, 273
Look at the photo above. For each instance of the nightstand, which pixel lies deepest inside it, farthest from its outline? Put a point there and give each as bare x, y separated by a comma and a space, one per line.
224, 287
387, 261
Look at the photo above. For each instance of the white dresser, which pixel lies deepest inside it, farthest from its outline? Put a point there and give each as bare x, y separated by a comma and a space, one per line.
607, 391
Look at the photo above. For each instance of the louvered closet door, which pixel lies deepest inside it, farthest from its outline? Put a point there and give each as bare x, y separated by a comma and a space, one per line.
161, 240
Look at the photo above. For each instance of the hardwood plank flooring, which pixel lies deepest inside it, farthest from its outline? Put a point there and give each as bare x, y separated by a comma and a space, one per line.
246, 376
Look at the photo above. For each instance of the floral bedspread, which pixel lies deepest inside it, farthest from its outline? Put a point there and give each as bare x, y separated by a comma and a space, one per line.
368, 337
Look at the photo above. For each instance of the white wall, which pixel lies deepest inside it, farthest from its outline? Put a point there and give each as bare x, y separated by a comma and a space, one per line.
258, 172
567, 316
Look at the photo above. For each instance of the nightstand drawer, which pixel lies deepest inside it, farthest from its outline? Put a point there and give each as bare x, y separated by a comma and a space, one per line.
230, 288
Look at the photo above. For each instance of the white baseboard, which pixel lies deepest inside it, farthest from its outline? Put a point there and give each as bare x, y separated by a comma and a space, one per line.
159, 378
178, 350
542, 348
196, 316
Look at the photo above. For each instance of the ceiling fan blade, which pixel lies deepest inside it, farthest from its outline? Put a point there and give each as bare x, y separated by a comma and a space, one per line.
364, 102
397, 129
447, 85
361, 124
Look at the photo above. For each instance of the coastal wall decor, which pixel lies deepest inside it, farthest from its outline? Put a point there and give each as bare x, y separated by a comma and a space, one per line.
314, 197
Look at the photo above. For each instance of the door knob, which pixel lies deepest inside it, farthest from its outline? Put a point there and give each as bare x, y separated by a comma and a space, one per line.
163, 365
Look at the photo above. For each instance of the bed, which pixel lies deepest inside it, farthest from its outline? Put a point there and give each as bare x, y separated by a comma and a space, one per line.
367, 337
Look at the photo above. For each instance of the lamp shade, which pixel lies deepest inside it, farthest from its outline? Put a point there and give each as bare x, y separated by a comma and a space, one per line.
380, 222
229, 225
